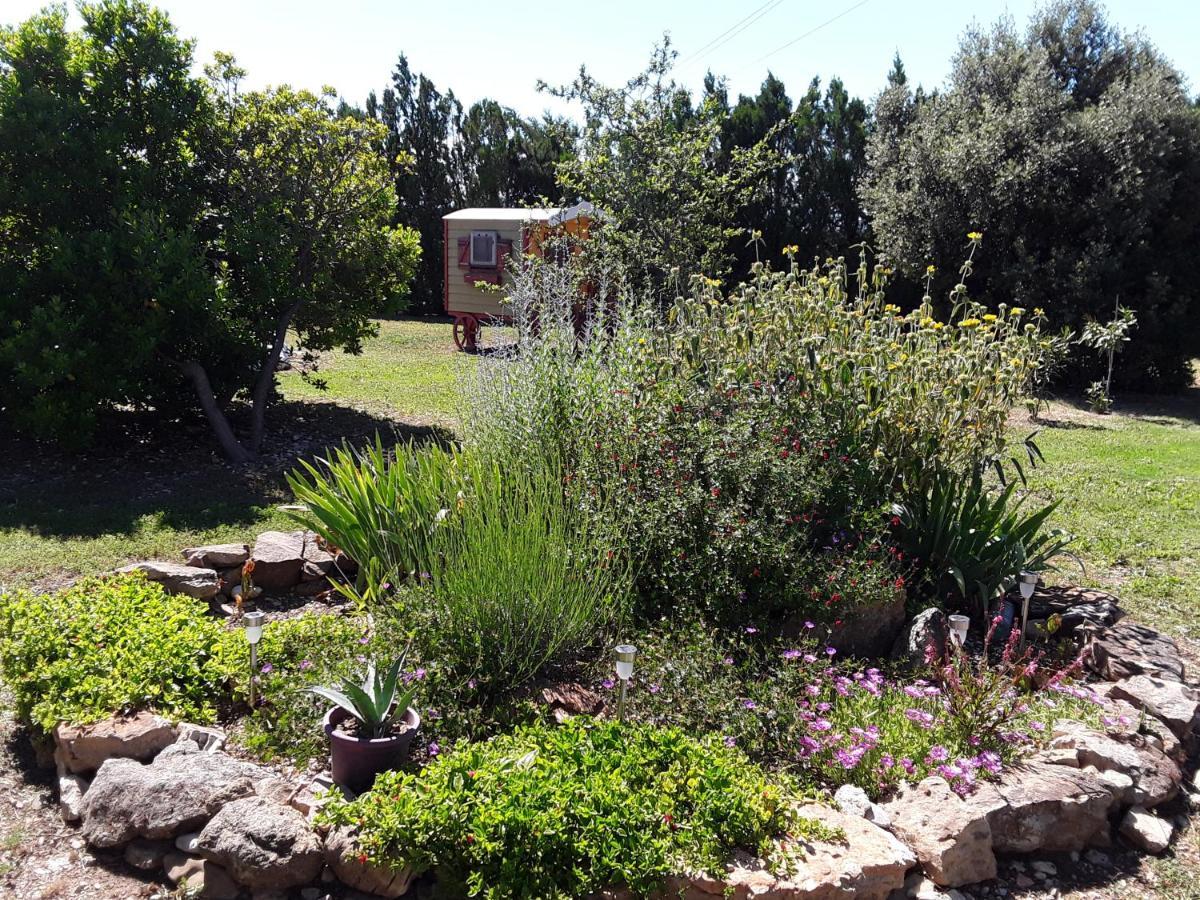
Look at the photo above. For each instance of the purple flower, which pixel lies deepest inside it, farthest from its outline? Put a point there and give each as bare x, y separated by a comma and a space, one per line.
820, 725
419, 674
305, 665
364, 639
922, 718
810, 658
655, 688
791, 654
434, 749
728, 660
810, 625
730, 741
750, 629
831, 650
824, 707
907, 765
850, 758
607, 684
989, 761
267, 668
886, 761
749, 704
471, 683
361, 658
938, 753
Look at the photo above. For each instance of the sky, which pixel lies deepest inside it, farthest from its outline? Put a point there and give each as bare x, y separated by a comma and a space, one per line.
500, 51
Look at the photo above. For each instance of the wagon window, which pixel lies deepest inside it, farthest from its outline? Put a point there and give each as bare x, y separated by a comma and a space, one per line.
483, 248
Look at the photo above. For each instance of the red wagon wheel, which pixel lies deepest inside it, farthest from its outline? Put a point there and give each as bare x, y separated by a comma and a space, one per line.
466, 330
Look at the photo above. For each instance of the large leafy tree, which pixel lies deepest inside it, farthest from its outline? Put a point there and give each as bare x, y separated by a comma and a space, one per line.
298, 230
99, 200
653, 162
1074, 148
162, 234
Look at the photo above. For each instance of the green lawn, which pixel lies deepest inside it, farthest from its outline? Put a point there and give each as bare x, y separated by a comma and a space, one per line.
410, 372
1130, 482
1130, 489
63, 516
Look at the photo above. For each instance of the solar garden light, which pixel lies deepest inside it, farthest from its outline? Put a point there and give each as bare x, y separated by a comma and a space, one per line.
959, 626
1027, 582
624, 654
253, 623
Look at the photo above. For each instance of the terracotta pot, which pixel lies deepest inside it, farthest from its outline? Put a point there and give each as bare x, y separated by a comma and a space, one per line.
356, 761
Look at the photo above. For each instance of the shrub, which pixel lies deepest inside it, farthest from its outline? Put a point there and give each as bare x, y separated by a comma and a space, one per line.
109, 645
513, 574
378, 506
560, 812
758, 437
972, 543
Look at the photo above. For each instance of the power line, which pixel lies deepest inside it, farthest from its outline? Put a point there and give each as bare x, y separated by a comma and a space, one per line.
810, 32
731, 32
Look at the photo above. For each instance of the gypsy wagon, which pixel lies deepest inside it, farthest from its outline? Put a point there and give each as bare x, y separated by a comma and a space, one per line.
478, 246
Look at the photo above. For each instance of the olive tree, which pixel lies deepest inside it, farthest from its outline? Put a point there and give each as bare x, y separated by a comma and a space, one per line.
1074, 148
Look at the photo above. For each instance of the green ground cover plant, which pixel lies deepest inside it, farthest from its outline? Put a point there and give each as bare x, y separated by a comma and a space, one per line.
790, 705
105, 645
562, 811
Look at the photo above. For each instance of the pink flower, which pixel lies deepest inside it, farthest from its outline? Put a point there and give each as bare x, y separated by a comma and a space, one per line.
730, 741
655, 688
305, 665
607, 684
938, 753
267, 668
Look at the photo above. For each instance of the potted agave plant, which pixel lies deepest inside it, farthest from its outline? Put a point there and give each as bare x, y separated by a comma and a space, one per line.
370, 726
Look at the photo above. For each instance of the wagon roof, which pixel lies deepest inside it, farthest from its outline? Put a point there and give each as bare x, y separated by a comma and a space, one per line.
483, 213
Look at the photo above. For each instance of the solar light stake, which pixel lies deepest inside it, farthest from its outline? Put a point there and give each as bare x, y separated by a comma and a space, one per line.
253, 623
1028, 581
624, 654
959, 626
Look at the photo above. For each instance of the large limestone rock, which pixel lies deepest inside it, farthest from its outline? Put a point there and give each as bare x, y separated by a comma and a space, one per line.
869, 864
82, 749
262, 844
952, 839
1155, 778
178, 792
1043, 807
178, 579
345, 859
278, 559
1077, 606
217, 556
924, 638
1172, 702
1127, 649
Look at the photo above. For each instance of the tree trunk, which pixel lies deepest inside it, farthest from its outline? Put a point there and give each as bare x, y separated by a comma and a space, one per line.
216, 418
266, 377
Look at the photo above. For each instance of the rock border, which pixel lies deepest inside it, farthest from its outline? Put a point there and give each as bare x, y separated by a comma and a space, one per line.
172, 799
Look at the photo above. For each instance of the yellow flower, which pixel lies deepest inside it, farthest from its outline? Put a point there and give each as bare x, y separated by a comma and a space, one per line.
791, 249
891, 307
1016, 311
974, 235
938, 326
929, 270
968, 323
822, 280
989, 318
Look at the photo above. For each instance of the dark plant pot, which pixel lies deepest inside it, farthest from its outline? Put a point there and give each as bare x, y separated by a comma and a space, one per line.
356, 761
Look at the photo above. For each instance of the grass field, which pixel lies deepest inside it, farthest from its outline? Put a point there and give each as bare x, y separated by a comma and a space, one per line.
1130, 482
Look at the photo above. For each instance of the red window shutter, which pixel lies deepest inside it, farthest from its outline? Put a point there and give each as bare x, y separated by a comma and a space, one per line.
464, 253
